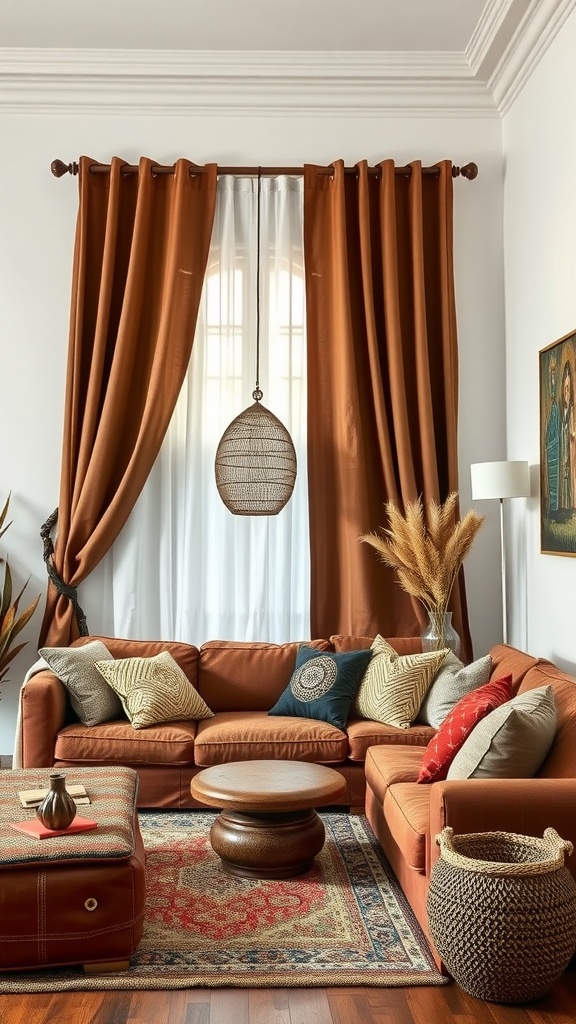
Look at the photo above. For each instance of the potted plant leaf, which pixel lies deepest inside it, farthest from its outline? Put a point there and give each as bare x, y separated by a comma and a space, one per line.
11, 622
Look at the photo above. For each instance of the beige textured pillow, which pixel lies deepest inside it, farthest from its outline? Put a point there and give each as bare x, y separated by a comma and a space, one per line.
154, 690
90, 696
450, 684
512, 741
393, 686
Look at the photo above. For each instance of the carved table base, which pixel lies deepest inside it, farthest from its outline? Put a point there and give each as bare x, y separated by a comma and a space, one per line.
269, 845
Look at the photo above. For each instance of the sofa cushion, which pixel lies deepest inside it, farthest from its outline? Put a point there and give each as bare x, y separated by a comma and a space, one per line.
235, 675
92, 699
119, 743
323, 685
458, 724
507, 660
386, 766
255, 735
452, 682
153, 690
561, 760
401, 644
185, 654
512, 741
363, 733
407, 813
393, 686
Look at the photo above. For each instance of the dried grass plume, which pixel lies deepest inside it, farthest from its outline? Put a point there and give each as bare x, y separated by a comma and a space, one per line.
426, 548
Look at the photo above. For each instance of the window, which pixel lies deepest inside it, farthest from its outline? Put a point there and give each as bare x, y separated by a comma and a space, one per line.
184, 567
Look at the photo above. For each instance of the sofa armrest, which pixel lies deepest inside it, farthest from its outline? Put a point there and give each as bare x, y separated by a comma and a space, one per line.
526, 806
44, 712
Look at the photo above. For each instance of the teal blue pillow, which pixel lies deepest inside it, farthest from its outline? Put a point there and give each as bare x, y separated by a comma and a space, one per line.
323, 685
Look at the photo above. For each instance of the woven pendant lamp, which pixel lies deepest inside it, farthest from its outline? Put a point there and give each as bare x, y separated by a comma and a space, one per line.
255, 461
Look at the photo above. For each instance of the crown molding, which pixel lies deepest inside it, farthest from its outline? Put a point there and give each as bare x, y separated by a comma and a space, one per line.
240, 83
510, 39
506, 46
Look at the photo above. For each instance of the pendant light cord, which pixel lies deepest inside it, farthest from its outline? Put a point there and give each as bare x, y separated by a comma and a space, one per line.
257, 394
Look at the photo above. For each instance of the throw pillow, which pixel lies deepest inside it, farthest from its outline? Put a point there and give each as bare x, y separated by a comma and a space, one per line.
450, 684
323, 685
458, 725
512, 742
154, 690
394, 685
90, 696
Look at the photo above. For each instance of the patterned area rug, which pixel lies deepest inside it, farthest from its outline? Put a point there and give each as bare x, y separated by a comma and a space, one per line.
345, 922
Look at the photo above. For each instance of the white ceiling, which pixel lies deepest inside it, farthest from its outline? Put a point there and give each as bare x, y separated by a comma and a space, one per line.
333, 25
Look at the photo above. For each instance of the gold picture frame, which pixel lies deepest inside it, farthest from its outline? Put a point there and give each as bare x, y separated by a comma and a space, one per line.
558, 447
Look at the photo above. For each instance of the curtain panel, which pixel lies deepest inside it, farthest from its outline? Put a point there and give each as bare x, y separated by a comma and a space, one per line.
142, 243
382, 382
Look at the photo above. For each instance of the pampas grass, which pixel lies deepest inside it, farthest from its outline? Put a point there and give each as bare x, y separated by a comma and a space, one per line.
426, 549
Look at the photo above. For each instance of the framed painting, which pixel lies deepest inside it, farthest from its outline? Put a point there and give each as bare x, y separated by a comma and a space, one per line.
558, 447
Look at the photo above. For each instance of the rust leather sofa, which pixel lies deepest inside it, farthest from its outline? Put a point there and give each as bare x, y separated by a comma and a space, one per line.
407, 815
240, 682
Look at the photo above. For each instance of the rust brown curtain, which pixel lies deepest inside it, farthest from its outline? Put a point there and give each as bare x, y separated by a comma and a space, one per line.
382, 382
142, 243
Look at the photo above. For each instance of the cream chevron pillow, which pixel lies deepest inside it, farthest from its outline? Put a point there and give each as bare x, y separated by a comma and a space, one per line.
394, 686
153, 690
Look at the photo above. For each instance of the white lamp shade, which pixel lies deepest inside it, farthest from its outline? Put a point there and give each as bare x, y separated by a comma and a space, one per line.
500, 480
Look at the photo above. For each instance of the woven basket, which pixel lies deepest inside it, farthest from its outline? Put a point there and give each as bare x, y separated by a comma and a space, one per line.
502, 912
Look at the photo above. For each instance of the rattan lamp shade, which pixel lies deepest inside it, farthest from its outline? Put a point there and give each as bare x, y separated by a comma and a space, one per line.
255, 464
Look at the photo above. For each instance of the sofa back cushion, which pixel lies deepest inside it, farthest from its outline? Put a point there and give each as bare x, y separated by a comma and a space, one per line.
185, 654
509, 661
561, 761
401, 644
236, 675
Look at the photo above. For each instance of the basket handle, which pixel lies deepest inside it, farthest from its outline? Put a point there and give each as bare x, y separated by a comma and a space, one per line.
557, 843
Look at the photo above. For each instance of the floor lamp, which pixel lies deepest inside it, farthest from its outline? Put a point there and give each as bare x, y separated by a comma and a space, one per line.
501, 480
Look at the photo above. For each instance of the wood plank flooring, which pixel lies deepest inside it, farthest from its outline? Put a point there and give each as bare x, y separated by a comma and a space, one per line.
419, 1005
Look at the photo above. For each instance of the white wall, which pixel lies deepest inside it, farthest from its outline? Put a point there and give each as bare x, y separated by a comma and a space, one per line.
37, 217
540, 279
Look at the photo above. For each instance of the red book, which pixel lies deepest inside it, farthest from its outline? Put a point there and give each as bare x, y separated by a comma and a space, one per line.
37, 830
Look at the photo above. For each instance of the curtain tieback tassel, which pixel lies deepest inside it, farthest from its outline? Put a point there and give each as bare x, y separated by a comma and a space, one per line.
65, 589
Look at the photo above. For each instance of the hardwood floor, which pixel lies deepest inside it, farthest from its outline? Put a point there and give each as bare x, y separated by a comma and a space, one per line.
419, 1005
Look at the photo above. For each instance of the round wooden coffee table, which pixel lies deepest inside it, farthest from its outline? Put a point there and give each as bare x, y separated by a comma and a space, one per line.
268, 827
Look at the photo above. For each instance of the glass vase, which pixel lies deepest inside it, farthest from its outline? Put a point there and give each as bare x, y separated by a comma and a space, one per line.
58, 808
440, 633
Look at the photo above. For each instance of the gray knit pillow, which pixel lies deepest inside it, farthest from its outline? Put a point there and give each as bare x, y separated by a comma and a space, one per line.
93, 700
453, 681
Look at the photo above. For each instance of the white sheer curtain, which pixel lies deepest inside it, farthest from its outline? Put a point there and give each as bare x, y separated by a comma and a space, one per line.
184, 568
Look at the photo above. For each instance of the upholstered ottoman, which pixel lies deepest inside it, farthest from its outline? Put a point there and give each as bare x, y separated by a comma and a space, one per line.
72, 899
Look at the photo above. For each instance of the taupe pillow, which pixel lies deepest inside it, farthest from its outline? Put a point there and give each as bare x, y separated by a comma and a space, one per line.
393, 685
512, 741
154, 690
452, 682
90, 696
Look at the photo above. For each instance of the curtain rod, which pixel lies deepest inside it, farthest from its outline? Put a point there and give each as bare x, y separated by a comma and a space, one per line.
59, 169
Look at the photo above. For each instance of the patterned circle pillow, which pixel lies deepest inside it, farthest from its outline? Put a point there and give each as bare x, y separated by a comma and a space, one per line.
458, 725
323, 685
